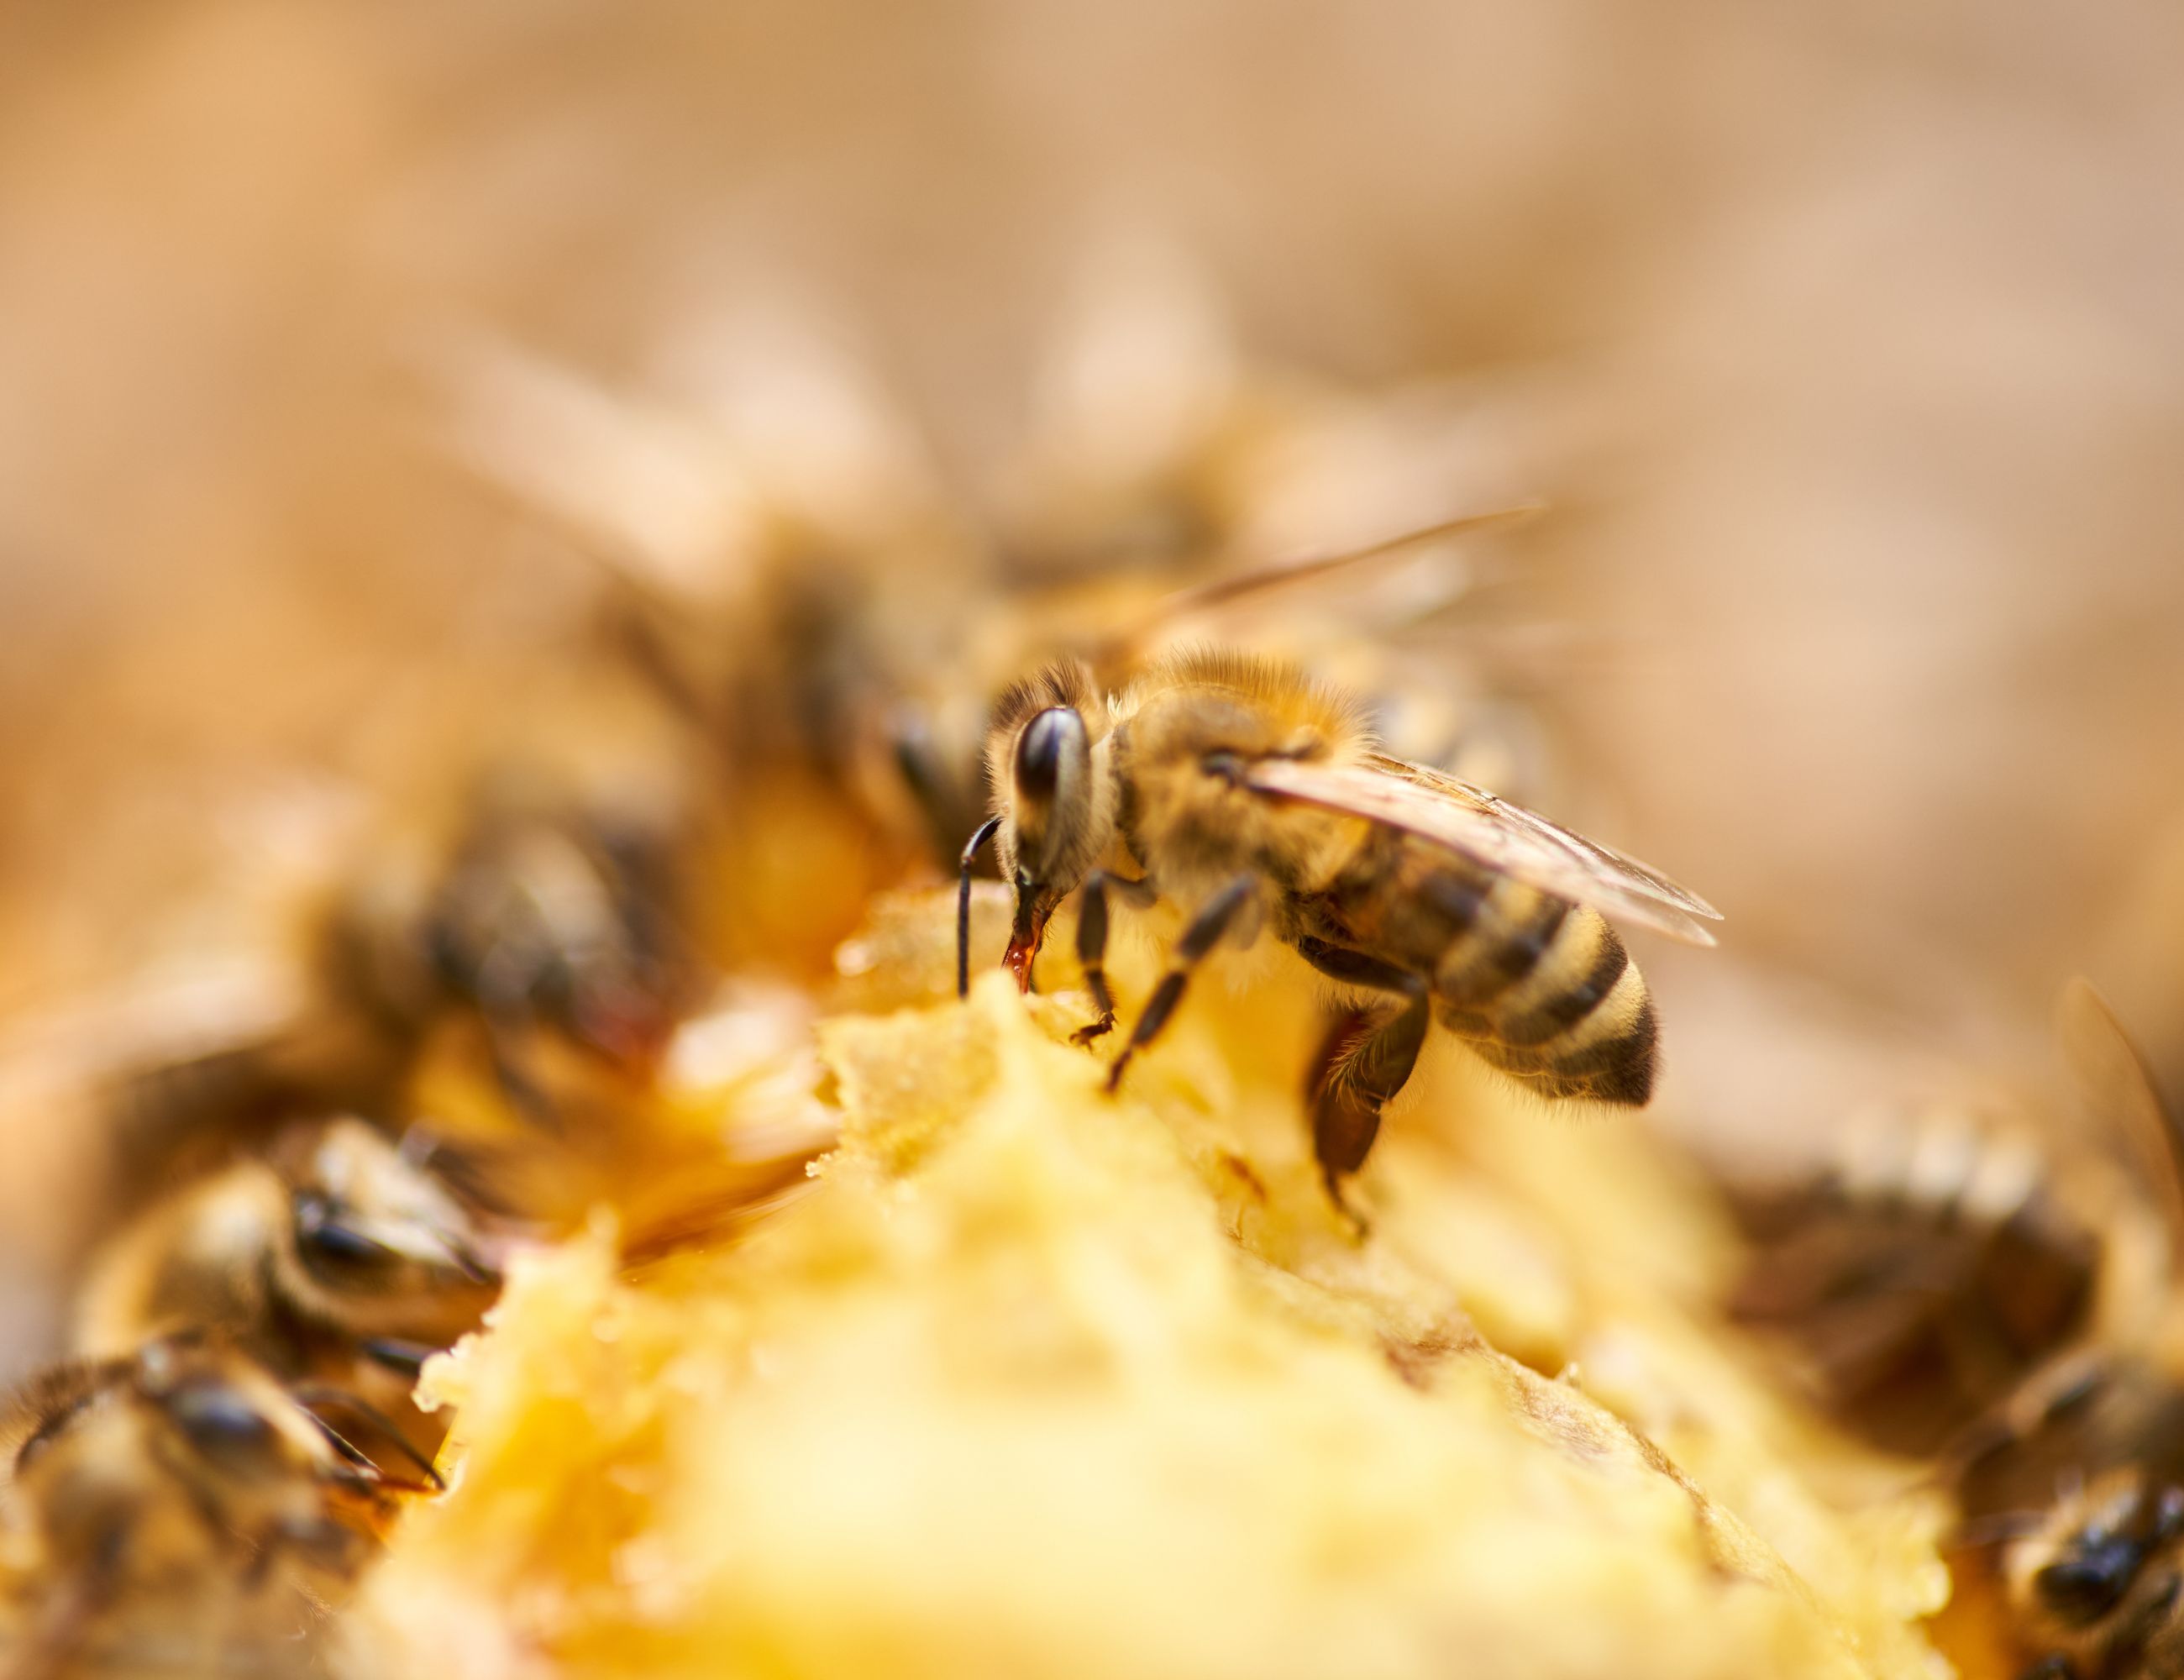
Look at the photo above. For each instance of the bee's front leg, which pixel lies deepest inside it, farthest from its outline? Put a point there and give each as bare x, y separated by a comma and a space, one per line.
1092, 942
1198, 938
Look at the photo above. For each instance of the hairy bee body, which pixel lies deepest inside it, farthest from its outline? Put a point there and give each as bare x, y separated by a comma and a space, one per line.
1540, 987
1932, 1269
1253, 795
176, 1509
2097, 1587
332, 1259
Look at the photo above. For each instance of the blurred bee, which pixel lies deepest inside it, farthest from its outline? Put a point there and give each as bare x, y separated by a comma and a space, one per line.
1245, 792
1948, 1257
179, 1487
796, 589
2072, 1491
334, 1257
2094, 1587
531, 901
547, 913
1921, 1279
1960, 1269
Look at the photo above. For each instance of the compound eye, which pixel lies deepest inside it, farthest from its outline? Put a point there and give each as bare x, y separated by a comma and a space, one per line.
330, 1245
2089, 1583
222, 1425
1048, 740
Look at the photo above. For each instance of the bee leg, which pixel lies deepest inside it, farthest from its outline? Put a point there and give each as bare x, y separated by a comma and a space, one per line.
503, 1033
1092, 944
1358, 1083
1365, 1061
395, 1354
1198, 939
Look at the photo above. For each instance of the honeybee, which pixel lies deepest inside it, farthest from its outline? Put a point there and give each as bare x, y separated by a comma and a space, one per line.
1247, 793
816, 602
1948, 1256
545, 914
335, 1255
181, 1484
1928, 1272
1962, 1264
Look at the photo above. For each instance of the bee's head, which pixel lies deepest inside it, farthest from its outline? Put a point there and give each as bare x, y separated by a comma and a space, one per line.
1047, 759
2102, 1547
376, 1244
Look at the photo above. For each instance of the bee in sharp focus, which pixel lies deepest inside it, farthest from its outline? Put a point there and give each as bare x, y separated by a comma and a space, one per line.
182, 1481
334, 1256
1245, 792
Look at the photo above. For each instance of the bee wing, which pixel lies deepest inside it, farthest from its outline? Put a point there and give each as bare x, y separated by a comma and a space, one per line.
1494, 832
2119, 1092
1249, 586
1281, 574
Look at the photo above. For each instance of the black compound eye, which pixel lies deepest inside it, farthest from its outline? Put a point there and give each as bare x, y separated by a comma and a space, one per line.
222, 1425
2091, 1581
1040, 749
326, 1241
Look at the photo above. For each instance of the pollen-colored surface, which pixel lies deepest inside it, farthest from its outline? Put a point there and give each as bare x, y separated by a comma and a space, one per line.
1037, 1382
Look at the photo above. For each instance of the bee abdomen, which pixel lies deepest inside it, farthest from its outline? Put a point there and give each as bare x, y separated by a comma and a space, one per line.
1547, 992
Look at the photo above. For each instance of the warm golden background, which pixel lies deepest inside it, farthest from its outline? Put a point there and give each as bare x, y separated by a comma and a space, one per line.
1849, 344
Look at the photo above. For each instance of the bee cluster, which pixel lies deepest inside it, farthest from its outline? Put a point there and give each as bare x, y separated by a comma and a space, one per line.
203, 1480
522, 1016
492, 1023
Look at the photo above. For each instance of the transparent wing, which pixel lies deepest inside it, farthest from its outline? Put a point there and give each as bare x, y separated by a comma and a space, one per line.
1493, 831
1281, 574
2121, 1094
1335, 585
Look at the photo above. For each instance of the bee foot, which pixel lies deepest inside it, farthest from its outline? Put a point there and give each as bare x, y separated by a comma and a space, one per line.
1099, 1029
1359, 1229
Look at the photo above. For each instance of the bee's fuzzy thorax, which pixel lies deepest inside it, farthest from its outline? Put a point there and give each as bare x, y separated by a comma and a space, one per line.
1193, 831
1294, 711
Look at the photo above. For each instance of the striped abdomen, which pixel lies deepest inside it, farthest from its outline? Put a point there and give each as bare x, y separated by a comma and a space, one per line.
1542, 988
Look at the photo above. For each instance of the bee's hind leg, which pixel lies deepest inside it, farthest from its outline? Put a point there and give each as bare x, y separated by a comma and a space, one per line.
1198, 939
1364, 1061
1092, 942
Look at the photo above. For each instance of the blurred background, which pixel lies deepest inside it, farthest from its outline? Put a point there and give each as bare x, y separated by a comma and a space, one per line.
1845, 341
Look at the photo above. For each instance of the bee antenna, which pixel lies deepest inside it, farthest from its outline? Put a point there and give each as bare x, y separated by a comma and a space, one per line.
971, 850
312, 1395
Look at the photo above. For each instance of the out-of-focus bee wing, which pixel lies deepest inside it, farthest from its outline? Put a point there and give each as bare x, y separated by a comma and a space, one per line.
2119, 1092
1493, 831
1281, 574
1247, 587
